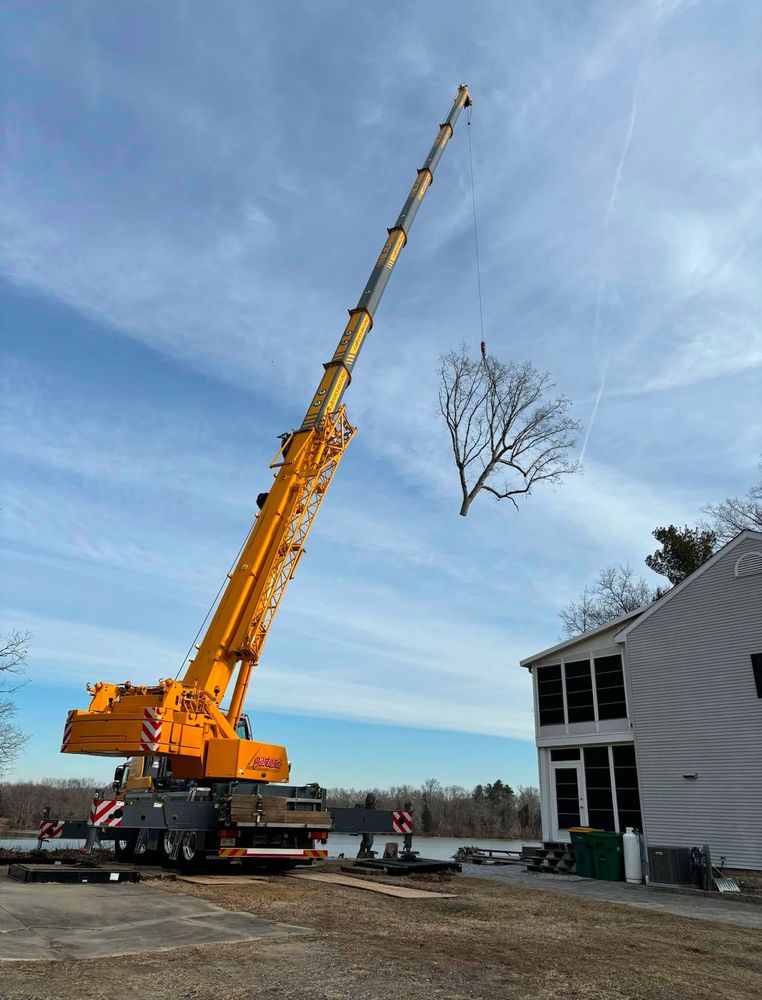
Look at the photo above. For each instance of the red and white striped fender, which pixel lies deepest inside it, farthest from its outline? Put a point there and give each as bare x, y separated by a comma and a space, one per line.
150, 734
67, 732
402, 822
106, 812
51, 829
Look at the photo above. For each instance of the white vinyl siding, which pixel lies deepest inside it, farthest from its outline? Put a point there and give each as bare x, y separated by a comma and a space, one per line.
695, 711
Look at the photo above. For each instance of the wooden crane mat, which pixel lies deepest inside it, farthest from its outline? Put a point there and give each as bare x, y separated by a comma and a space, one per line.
399, 891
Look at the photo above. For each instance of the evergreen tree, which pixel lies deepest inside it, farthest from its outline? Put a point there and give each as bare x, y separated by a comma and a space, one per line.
683, 550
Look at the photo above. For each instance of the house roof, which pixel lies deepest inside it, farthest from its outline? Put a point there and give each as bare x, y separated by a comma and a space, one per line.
666, 598
529, 660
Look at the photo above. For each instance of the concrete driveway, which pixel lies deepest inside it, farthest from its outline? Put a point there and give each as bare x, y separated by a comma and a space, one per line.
48, 921
723, 909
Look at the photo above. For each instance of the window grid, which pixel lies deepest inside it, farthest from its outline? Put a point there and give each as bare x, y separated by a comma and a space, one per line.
612, 798
609, 680
550, 695
609, 673
580, 706
601, 812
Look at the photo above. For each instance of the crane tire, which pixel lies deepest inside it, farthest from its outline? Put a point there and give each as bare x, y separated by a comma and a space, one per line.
191, 857
162, 852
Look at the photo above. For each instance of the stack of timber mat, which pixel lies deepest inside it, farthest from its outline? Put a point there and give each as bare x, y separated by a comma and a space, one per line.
402, 866
273, 809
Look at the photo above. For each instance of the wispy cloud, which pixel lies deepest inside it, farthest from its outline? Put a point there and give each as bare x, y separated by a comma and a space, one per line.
730, 347
69, 653
182, 227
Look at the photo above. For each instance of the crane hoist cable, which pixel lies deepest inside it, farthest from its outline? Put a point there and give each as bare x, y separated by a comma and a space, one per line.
469, 112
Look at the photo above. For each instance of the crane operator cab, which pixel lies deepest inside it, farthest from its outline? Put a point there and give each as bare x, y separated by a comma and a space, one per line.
243, 729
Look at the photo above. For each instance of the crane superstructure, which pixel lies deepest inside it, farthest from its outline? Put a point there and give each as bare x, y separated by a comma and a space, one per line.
183, 720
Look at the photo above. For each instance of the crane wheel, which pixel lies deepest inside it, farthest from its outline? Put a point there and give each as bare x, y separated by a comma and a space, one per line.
191, 858
164, 851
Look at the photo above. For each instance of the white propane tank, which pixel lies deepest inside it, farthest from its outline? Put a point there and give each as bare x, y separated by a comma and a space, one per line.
632, 866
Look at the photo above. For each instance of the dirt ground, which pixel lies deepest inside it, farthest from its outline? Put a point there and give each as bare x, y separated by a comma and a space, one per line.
492, 941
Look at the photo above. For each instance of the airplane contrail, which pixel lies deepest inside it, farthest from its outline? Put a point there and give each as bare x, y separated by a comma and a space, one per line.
602, 281
594, 414
625, 150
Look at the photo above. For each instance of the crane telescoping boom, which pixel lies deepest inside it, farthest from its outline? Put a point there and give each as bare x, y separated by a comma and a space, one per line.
183, 719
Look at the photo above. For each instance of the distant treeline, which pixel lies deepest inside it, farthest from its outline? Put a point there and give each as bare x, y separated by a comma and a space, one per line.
491, 810
22, 802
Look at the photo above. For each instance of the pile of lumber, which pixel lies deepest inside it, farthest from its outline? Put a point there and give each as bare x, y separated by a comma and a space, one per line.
261, 809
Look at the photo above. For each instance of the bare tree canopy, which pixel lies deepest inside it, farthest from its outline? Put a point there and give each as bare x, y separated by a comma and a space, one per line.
508, 434
736, 514
22, 802
616, 591
488, 810
13, 650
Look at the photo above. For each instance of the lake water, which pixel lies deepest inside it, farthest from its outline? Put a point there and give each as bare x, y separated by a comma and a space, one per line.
440, 848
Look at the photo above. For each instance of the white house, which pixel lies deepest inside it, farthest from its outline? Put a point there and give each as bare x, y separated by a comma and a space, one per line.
655, 720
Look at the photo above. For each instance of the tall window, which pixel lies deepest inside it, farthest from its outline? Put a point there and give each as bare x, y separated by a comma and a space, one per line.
579, 691
550, 695
600, 802
626, 780
567, 797
609, 687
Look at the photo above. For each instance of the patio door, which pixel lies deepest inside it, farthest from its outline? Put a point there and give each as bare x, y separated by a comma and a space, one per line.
569, 807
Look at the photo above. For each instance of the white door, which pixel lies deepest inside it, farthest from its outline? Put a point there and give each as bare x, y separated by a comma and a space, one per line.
569, 807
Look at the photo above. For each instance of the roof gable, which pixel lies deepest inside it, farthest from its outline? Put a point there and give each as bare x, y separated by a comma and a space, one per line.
656, 607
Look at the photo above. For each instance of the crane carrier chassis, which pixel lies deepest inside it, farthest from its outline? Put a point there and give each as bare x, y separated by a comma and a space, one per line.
264, 825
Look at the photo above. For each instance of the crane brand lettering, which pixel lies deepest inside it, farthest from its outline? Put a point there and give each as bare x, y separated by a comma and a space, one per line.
271, 762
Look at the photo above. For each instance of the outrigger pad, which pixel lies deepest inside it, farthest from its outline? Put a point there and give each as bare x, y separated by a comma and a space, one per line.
69, 873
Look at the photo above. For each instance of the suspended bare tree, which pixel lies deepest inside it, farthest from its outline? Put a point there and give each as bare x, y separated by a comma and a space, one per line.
508, 433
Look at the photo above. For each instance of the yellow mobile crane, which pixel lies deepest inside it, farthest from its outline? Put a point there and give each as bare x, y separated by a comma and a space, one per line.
183, 721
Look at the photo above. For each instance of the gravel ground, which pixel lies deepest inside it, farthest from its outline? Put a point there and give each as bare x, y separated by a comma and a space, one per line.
497, 939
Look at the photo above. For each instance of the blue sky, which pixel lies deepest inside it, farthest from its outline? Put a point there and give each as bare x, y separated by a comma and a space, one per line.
192, 196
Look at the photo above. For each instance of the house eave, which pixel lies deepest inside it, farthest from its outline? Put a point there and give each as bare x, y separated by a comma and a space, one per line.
529, 661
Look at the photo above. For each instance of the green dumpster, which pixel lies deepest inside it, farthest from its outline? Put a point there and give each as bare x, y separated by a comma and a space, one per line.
608, 856
583, 852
